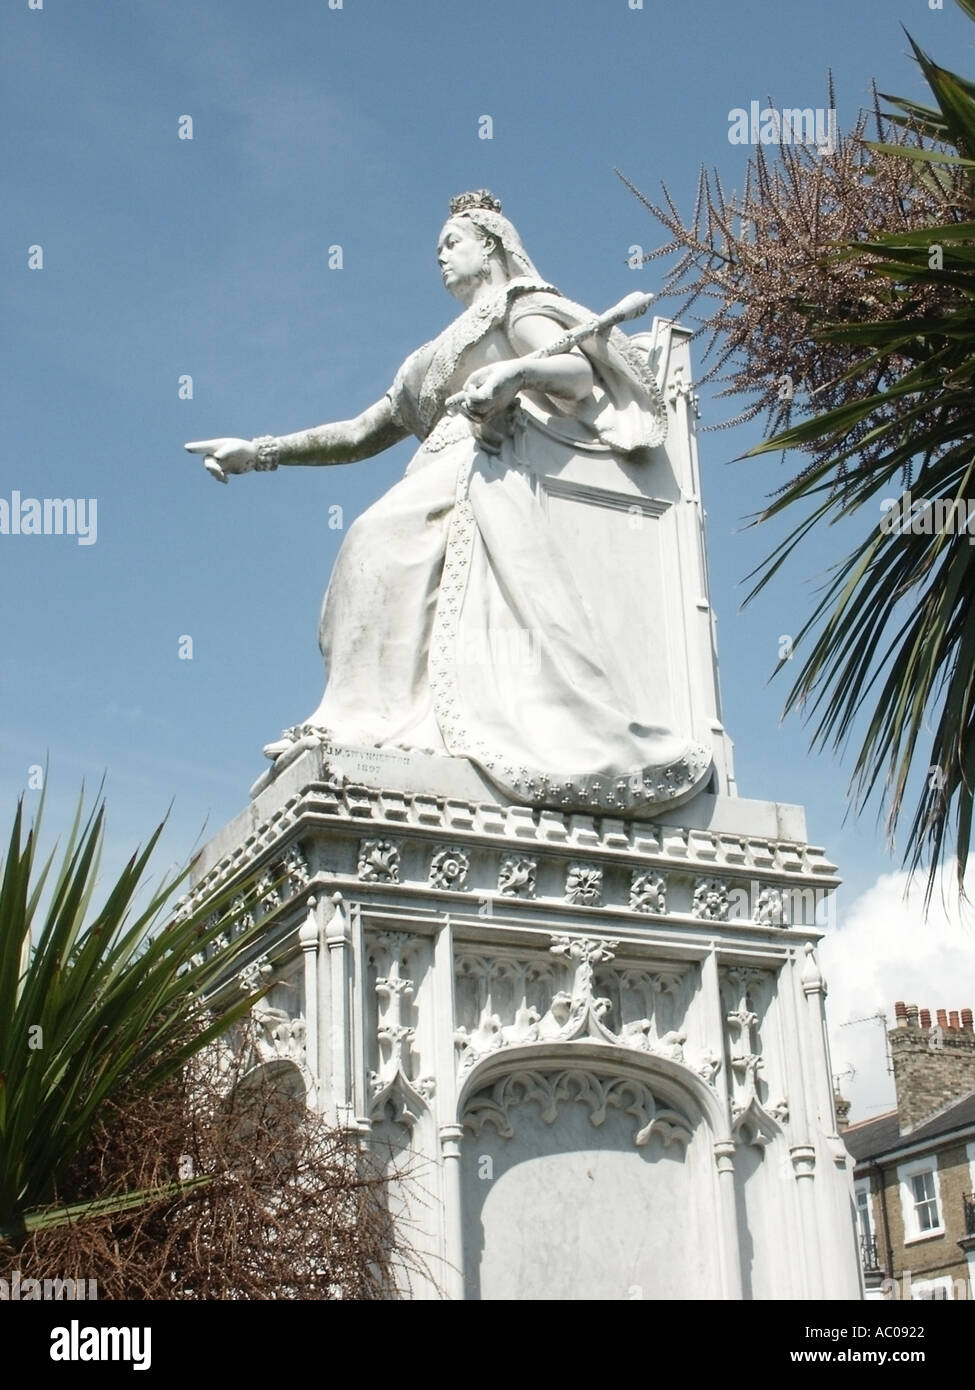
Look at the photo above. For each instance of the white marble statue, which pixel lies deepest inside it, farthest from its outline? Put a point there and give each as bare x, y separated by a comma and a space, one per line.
452, 623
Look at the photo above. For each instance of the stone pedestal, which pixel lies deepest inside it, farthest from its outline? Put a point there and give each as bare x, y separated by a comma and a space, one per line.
592, 1050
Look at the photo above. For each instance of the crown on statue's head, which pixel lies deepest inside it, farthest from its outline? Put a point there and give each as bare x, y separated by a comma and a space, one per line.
480, 198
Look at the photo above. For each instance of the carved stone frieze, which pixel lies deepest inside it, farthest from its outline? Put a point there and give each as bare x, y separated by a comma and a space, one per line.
278, 881
517, 877
296, 867
648, 891
379, 861
243, 918
584, 885
268, 892
770, 907
710, 902
346, 805
449, 869
255, 974
654, 981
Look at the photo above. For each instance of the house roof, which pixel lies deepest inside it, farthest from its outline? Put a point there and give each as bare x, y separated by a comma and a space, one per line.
871, 1138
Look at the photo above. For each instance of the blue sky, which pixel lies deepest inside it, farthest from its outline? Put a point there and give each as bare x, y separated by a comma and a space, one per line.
162, 257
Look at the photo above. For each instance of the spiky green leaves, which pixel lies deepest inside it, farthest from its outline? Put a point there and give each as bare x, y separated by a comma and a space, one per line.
92, 1000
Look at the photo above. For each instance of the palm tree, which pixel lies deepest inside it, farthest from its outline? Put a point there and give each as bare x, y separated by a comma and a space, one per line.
883, 323
94, 1004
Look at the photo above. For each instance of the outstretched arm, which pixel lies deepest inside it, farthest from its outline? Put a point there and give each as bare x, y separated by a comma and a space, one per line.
344, 441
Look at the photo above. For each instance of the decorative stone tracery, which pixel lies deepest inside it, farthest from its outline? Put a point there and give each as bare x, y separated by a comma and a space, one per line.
520, 1001
496, 1104
754, 1117
393, 1084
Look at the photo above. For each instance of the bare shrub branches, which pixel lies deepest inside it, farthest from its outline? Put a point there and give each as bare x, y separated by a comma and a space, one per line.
287, 1208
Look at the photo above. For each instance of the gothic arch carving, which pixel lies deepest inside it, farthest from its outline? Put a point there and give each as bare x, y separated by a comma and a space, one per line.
667, 1092
282, 1074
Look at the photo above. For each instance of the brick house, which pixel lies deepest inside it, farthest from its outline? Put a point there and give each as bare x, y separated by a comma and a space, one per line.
915, 1166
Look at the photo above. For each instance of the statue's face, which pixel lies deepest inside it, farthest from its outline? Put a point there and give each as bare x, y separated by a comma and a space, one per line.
460, 255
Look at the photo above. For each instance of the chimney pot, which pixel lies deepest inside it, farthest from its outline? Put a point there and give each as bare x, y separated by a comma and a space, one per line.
912, 1015
933, 1067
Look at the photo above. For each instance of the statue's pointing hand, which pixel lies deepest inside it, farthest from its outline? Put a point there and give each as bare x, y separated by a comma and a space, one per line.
223, 456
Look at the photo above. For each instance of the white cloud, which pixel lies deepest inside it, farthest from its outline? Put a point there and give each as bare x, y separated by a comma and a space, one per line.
888, 948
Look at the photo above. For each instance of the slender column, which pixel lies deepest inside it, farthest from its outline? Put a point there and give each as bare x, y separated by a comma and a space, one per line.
356, 1027
802, 1123
338, 939
451, 1126
804, 1165
724, 1145
724, 1157
450, 1148
308, 939
814, 988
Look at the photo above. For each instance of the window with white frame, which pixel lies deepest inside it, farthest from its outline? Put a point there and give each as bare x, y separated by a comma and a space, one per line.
864, 1215
925, 1200
920, 1199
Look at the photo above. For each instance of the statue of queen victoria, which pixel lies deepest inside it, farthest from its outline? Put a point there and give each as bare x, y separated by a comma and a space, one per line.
453, 623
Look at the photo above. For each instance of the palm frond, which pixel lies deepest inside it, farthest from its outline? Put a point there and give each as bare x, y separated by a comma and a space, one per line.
91, 1000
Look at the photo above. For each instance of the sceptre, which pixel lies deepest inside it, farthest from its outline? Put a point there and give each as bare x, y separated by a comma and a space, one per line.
630, 307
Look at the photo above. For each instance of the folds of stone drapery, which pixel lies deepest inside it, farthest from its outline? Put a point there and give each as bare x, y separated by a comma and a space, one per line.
464, 620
